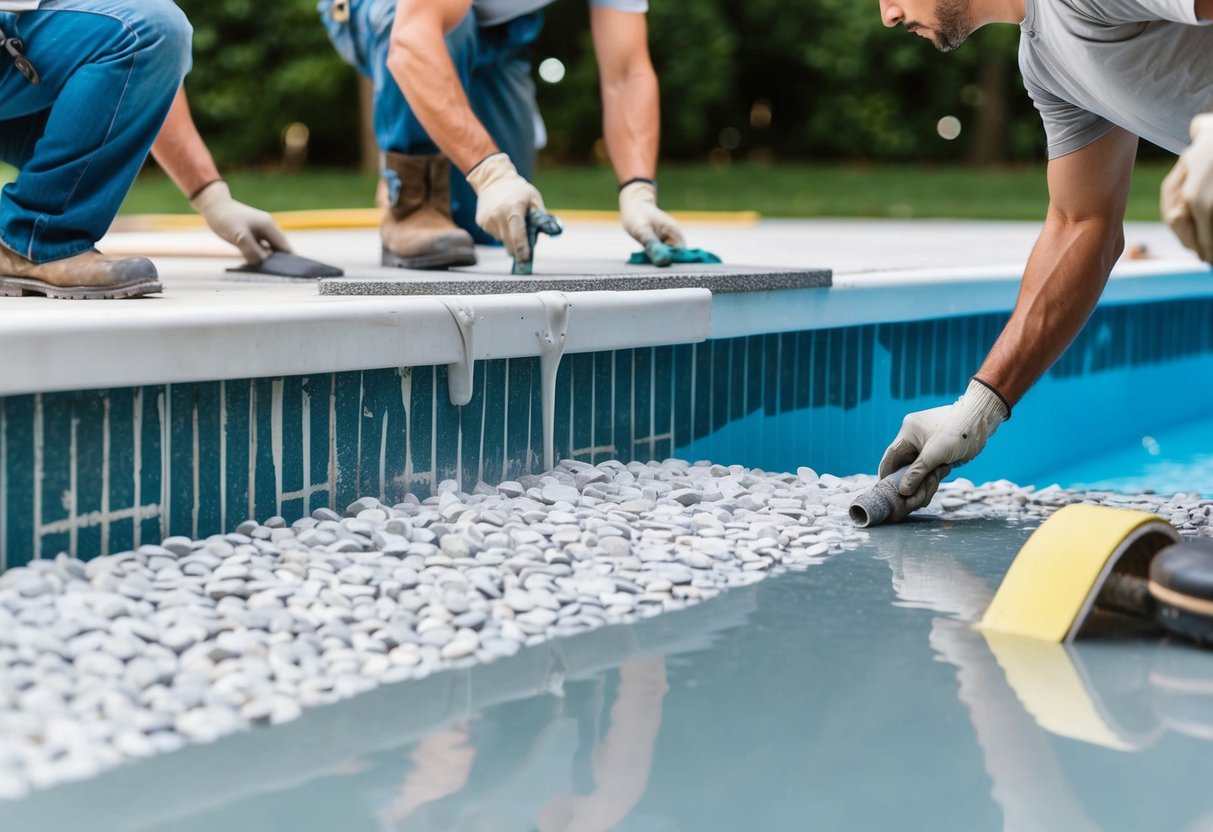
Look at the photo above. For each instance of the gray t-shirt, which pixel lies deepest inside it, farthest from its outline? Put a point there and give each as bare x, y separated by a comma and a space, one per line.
493, 12
1089, 65
18, 5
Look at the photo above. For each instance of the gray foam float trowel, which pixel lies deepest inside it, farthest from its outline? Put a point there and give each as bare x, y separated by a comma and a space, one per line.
285, 264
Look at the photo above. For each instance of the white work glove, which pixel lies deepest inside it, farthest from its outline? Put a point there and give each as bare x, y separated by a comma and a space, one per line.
643, 219
1187, 192
249, 229
503, 200
943, 436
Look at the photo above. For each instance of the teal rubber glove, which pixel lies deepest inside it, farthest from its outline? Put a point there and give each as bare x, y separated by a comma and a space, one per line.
536, 221
657, 253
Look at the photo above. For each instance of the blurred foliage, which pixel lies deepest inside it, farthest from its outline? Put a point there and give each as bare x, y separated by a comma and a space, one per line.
755, 80
261, 66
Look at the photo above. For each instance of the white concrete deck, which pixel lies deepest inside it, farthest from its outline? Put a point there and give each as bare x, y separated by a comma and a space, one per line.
210, 325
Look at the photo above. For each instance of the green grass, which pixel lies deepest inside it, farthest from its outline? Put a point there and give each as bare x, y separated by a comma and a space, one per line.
793, 190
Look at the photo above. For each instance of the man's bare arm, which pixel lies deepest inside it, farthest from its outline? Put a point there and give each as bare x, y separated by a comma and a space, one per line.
419, 61
1204, 9
180, 151
1082, 238
631, 113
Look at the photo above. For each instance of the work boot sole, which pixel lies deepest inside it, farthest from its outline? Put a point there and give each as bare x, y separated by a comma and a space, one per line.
15, 287
440, 260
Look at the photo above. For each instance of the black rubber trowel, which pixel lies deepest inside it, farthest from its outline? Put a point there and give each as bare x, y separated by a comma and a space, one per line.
285, 264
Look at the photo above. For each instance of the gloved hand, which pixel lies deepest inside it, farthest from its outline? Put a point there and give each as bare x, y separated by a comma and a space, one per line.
1187, 192
503, 200
943, 436
250, 229
646, 222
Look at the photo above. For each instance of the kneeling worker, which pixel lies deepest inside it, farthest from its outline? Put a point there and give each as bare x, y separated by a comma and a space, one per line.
452, 81
1102, 73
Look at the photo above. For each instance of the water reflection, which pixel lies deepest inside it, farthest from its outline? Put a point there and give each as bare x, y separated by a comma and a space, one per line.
440, 792
1121, 694
560, 738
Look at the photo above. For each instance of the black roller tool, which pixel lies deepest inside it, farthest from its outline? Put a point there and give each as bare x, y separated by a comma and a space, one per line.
284, 264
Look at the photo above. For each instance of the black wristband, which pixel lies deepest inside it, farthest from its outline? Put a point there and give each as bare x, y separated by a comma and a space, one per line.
994, 390
636, 179
198, 192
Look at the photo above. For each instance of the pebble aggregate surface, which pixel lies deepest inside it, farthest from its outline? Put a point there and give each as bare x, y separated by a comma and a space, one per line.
141, 653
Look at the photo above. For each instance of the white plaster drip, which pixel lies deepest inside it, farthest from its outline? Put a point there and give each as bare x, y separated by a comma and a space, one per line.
4, 483
460, 374
551, 349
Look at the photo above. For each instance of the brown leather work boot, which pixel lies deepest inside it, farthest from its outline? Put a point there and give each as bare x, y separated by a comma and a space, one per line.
417, 229
87, 276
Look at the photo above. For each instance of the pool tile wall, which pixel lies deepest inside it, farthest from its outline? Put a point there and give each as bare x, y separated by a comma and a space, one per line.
93, 472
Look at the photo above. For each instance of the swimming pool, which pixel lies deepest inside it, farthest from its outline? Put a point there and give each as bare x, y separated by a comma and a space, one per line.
853, 695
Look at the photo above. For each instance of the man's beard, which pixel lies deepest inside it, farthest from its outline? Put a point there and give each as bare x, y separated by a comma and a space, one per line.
954, 24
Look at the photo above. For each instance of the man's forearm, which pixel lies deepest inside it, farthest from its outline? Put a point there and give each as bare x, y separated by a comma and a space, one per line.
1064, 278
422, 66
631, 115
180, 151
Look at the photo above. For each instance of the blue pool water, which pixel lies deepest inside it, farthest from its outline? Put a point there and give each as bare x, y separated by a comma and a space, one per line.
1176, 459
852, 696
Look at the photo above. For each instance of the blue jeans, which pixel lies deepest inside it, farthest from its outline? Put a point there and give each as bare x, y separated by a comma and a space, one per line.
494, 67
110, 70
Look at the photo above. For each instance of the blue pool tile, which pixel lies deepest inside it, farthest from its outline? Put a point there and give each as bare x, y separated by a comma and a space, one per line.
180, 399
581, 404
122, 471
18, 475
265, 479
496, 414
850, 368
820, 382
642, 394
802, 398
291, 475
446, 430
603, 406
151, 460
722, 383
868, 347
56, 468
684, 382
396, 460
701, 406
740, 384
237, 403
770, 374
518, 416
210, 480
623, 426
90, 469
471, 419
318, 389
535, 462
347, 395
563, 422
421, 432
787, 371
663, 392
755, 370
376, 388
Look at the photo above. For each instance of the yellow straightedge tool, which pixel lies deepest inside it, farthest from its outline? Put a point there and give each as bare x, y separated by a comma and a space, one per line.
1051, 589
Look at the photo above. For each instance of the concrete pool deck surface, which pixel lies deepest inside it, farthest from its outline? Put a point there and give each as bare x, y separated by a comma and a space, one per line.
853, 695
211, 325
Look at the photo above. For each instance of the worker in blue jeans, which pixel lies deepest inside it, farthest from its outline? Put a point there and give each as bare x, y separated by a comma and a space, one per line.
78, 115
452, 83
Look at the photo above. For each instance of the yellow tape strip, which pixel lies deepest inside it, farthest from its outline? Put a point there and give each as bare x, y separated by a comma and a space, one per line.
347, 218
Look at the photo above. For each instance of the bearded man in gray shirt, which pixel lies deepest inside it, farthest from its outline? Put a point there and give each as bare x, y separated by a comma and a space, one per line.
1102, 73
